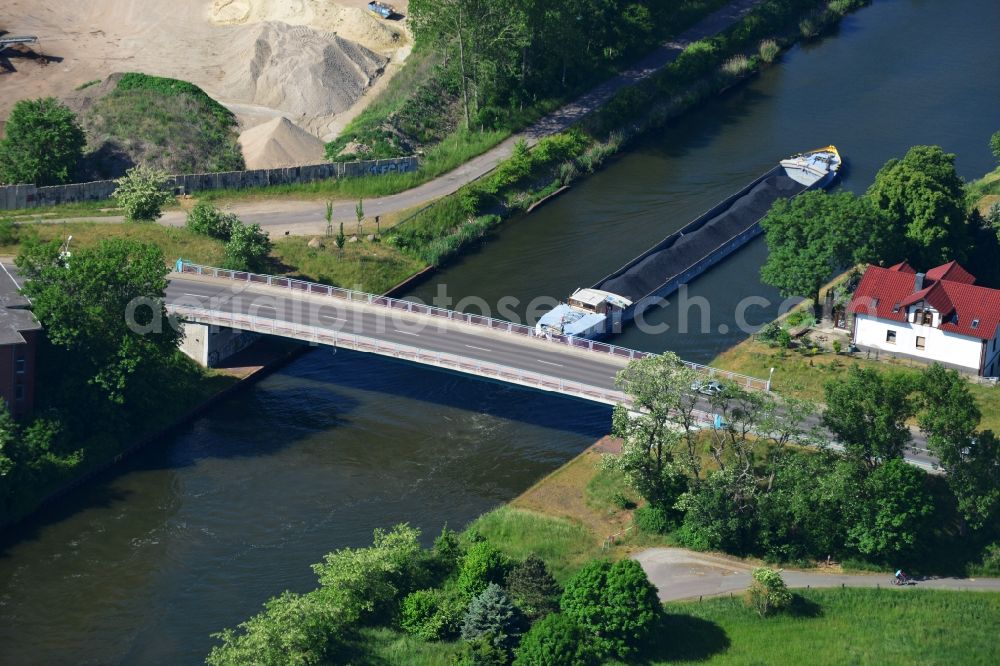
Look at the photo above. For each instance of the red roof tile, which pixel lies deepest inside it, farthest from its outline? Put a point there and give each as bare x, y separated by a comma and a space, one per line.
952, 272
902, 267
960, 302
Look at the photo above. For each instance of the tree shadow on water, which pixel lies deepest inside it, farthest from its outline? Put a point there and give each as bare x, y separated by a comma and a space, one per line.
686, 638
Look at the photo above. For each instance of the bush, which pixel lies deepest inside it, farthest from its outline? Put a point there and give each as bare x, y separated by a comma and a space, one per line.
482, 651
207, 220
365, 584
615, 605
768, 593
483, 564
431, 615
555, 640
10, 232
493, 616
622, 501
447, 551
533, 588
292, 629
247, 248
769, 50
142, 193
737, 65
43, 143
652, 520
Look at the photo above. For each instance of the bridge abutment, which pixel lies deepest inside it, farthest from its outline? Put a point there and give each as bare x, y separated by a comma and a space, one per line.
209, 345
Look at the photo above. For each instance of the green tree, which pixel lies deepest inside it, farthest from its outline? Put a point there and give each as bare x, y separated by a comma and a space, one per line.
721, 513
483, 564
811, 237
867, 412
533, 588
923, 196
555, 640
663, 417
207, 220
995, 144
142, 193
292, 629
949, 416
447, 551
359, 212
615, 605
431, 615
492, 615
801, 516
247, 248
366, 584
888, 518
43, 143
768, 593
105, 306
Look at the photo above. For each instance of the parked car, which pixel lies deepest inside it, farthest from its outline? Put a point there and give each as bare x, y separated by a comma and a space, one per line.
708, 388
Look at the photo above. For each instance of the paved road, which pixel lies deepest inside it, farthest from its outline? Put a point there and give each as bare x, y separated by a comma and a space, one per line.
475, 343
683, 574
431, 334
306, 217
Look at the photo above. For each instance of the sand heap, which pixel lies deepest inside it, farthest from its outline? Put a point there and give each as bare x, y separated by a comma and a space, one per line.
304, 72
351, 23
279, 143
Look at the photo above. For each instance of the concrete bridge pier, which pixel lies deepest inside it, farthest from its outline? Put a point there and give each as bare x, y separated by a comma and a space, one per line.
209, 344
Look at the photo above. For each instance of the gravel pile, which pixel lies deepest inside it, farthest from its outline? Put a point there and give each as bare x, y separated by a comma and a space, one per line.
297, 69
683, 252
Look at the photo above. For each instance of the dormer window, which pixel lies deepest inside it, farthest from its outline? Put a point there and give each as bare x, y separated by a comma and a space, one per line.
975, 324
895, 308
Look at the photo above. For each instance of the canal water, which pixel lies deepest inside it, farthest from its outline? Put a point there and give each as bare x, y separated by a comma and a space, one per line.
191, 536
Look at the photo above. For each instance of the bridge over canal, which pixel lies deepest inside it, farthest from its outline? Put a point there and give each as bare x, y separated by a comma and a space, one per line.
490, 348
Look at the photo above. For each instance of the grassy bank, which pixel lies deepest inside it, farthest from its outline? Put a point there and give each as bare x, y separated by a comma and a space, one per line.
804, 375
853, 626
364, 265
985, 192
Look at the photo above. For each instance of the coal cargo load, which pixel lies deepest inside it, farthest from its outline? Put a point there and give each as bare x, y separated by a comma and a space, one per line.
650, 273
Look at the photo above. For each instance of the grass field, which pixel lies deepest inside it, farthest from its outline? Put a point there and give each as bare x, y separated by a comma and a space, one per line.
826, 627
373, 267
853, 626
804, 376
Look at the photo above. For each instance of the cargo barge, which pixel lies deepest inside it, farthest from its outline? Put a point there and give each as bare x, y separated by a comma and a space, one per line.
602, 309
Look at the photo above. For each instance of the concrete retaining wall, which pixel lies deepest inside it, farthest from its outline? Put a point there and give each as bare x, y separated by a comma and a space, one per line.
28, 196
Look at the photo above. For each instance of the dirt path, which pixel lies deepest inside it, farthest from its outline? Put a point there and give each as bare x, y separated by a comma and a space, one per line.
305, 217
682, 574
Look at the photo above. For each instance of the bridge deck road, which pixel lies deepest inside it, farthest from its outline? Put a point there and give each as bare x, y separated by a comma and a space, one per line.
433, 334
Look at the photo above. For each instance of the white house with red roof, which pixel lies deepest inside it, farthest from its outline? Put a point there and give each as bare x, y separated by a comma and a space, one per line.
939, 316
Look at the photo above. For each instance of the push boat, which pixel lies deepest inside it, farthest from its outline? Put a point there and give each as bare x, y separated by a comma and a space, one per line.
601, 310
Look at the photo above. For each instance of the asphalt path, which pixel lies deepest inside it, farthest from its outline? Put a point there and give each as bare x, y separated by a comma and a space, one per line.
306, 217
678, 574
475, 343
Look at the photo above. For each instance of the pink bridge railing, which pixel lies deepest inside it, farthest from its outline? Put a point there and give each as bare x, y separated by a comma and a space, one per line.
499, 325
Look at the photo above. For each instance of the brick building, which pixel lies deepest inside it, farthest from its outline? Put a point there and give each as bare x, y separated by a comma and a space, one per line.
19, 331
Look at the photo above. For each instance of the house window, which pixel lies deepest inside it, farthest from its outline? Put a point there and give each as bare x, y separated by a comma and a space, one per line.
928, 318
19, 392
890, 336
19, 366
921, 342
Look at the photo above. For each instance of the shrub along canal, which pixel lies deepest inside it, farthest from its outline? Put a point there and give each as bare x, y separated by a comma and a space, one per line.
192, 536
